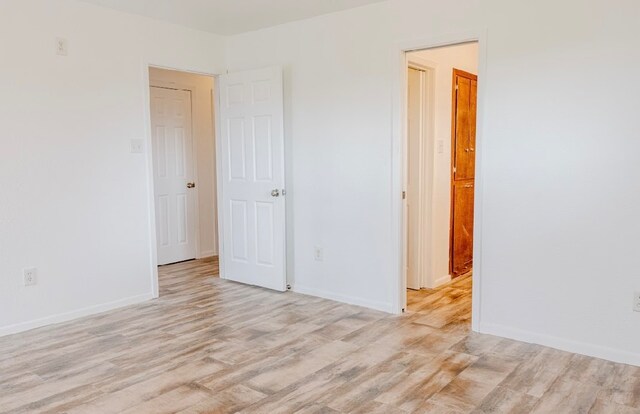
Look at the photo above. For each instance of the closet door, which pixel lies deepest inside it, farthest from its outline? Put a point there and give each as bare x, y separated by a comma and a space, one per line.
465, 87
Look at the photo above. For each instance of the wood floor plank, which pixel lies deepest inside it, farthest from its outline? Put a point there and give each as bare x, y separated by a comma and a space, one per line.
567, 396
213, 346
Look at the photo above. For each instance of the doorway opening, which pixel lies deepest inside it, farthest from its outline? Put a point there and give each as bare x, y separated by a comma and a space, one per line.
441, 112
184, 170
222, 197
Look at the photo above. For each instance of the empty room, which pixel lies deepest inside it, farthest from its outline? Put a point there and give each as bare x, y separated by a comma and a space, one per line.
311, 206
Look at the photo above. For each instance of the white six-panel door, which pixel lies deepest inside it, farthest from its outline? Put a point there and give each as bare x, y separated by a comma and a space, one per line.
173, 171
252, 178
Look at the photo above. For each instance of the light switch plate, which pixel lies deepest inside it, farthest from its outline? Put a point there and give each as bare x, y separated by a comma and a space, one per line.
636, 302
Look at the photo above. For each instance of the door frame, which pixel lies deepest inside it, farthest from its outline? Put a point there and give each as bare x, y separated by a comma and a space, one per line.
399, 164
148, 139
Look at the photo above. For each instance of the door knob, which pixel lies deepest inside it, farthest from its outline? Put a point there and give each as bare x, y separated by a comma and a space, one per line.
191, 185
275, 193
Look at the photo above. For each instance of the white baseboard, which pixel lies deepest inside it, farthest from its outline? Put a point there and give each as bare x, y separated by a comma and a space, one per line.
381, 306
441, 281
68, 316
207, 253
576, 347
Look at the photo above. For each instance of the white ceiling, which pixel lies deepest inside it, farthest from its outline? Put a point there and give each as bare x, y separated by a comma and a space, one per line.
230, 16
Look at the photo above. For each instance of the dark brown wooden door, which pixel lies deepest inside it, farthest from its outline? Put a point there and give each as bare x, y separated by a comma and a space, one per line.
463, 161
462, 232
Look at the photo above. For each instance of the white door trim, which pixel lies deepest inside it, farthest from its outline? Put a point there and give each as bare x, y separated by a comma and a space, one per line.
146, 94
219, 181
399, 164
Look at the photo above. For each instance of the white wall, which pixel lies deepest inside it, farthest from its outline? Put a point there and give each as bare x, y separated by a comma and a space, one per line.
560, 216
201, 88
74, 202
559, 206
438, 166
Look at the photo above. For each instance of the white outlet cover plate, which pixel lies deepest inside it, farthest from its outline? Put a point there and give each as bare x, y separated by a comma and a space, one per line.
62, 46
636, 302
137, 146
30, 276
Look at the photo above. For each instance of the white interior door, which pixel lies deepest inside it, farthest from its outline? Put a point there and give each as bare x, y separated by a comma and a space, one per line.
251, 158
414, 173
173, 171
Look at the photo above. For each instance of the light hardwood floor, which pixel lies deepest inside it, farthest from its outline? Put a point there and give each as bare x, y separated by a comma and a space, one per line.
212, 346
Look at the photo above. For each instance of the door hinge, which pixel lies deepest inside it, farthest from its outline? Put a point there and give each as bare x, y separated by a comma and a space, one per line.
454, 170
456, 86
404, 195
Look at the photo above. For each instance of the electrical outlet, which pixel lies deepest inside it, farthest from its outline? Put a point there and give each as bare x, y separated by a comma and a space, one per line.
636, 302
30, 276
137, 146
440, 146
318, 254
62, 47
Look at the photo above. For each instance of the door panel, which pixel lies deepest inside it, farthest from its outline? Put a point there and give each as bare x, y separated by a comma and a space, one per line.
173, 168
464, 110
252, 182
463, 194
464, 127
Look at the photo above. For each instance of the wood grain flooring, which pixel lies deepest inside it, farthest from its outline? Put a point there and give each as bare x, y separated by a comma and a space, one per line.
213, 346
